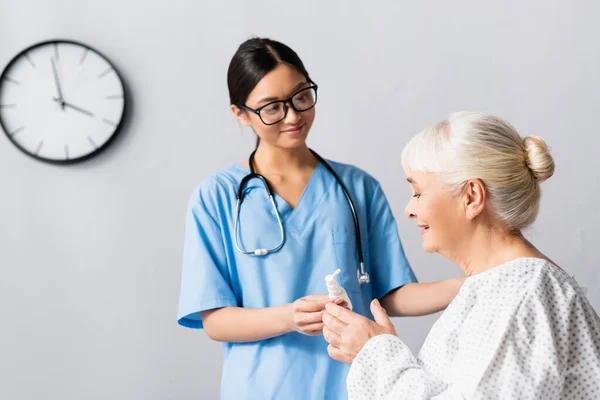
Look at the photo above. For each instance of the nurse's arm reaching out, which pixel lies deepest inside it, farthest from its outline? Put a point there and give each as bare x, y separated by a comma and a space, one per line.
415, 299
237, 324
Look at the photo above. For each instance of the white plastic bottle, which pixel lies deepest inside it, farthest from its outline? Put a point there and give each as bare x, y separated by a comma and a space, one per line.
336, 291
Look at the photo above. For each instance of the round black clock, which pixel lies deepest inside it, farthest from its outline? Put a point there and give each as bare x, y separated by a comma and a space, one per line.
61, 101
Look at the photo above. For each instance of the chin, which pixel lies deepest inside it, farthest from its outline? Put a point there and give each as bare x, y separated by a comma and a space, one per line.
429, 248
292, 144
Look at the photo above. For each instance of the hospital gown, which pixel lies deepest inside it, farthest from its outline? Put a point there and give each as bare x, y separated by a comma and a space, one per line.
522, 330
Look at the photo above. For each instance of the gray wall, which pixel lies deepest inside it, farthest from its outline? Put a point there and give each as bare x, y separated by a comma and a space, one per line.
90, 254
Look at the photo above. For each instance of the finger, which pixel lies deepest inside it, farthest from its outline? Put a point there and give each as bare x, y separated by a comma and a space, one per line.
380, 314
343, 314
339, 302
317, 297
342, 303
333, 324
331, 337
339, 355
313, 333
318, 327
309, 318
304, 305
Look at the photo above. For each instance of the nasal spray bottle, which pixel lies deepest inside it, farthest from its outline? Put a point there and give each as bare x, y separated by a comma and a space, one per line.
336, 291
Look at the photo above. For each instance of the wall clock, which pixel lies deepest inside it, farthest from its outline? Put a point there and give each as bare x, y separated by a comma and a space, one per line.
61, 101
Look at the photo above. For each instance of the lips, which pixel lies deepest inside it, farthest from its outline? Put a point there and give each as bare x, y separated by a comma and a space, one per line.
424, 229
294, 131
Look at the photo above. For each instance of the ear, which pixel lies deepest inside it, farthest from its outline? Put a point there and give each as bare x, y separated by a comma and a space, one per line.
240, 114
475, 195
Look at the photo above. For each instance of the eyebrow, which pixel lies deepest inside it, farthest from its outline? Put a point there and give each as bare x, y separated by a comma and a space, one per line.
269, 99
411, 180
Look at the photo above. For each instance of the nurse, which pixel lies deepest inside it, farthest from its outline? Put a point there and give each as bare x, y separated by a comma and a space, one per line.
267, 309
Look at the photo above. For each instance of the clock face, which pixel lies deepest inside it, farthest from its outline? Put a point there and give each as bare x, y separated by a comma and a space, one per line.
61, 101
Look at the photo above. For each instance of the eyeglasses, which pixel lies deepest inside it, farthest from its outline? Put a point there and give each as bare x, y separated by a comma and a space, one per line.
276, 111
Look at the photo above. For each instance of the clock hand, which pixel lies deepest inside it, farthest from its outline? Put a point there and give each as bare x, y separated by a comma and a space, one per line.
60, 96
65, 104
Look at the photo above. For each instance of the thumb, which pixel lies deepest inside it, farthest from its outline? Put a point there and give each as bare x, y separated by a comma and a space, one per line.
380, 314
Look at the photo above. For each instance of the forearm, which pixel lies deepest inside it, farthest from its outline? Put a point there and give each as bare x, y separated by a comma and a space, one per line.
236, 324
421, 298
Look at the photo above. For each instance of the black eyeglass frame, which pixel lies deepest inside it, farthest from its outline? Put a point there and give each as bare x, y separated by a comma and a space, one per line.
285, 106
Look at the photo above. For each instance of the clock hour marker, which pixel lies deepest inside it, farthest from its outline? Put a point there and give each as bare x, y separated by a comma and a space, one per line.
107, 121
16, 82
102, 75
8, 105
84, 56
19, 129
39, 147
66, 152
29, 59
56, 56
115, 97
89, 138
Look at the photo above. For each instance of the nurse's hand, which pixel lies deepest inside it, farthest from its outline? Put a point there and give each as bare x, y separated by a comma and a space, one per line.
306, 314
347, 332
340, 302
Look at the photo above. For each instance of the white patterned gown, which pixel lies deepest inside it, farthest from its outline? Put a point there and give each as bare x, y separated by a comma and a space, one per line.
522, 330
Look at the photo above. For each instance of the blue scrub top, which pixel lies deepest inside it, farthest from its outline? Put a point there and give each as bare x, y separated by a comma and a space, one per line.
320, 238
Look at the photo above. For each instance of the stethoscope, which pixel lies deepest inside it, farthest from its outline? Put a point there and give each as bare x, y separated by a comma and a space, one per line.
361, 274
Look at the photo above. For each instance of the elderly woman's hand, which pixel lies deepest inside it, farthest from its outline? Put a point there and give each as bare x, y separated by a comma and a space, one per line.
347, 332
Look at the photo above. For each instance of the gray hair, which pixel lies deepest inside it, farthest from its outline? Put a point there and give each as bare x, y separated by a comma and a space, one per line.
472, 145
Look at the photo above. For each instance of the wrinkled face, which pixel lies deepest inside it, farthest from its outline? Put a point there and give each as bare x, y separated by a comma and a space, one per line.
439, 212
279, 84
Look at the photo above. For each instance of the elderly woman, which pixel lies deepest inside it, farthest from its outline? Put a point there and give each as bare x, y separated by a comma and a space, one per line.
520, 327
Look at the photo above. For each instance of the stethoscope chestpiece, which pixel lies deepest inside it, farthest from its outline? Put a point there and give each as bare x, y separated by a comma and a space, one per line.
362, 277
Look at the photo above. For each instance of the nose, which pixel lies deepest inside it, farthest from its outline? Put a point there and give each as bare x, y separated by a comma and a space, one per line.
409, 210
292, 115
